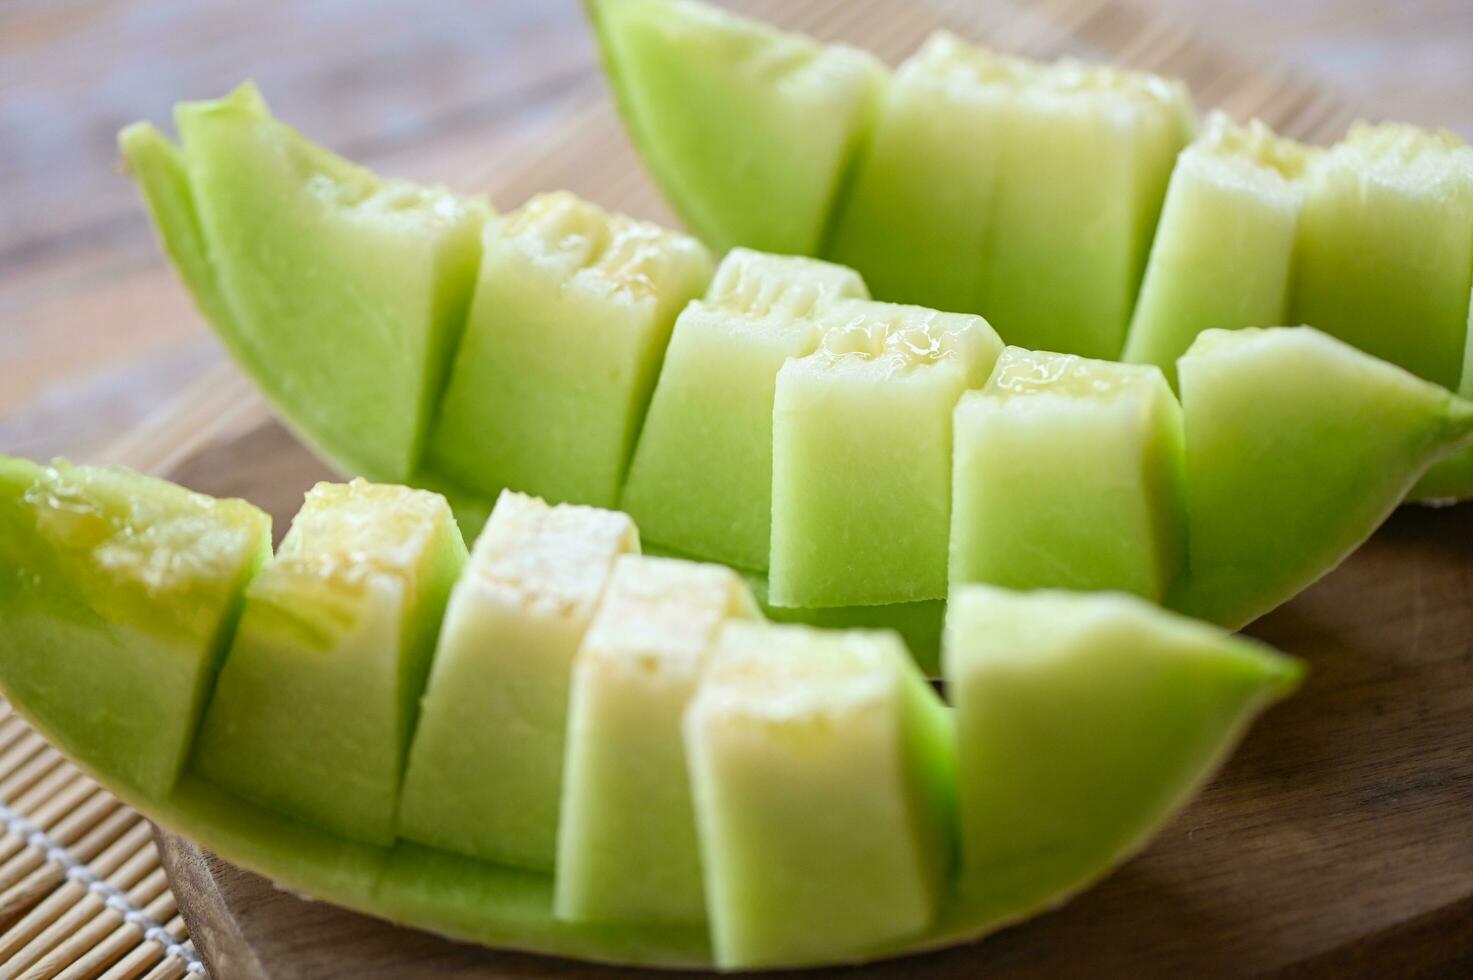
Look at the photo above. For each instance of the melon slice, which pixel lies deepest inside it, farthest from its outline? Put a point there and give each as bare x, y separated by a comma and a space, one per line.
821, 764
701, 480
1068, 475
1225, 243
749, 130
1297, 447
627, 847
1083, 723
572, 312
861, 474
314, 707
117, 597
485, 769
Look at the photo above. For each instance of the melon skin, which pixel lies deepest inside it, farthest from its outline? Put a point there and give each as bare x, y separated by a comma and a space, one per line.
118, 595
701, 479
573, 308
315, 705
822, 769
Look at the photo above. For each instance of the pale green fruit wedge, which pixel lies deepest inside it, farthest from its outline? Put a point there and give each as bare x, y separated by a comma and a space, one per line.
315, 705
342, 294
1297, 447
1225, 243
861, 473
1083, 723
701, 480
1068, 475
627, 847
750, 131
117, 597
485, 769
821, 764
572, 312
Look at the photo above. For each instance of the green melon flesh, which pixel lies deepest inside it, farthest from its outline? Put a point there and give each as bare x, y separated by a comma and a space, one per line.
861, 474
701, 480
1083, 723
749, 130
821, 765
1225, 242
343, 294
1297, 447
484, 775
571, 315
627, 847
1068, 475
315, 705
117, 597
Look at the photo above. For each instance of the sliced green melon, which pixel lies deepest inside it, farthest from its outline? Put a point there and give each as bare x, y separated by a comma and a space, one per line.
1068, 475
1297, 447
822, 771
485, 768
1083, 723
572, 312
750, 131
861, 473
117, 597
1225, 242
627, 847
315, 705
701, 480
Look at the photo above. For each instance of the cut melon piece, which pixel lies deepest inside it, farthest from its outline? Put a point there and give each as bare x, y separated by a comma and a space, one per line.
117, 597
485, 769
1385, 253
572, 312
627, 847
1068, 475
317, 699
750, 131
1083, 723
1225, 243
342, 294
822, 769
861, 474
1297, 447
701, 480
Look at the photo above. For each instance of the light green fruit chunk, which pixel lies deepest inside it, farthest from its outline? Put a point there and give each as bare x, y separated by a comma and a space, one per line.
750, 131
317, 699
117, 597
821, 764
627, 847
485, 769
1297, 447
572, 312
343, 294
1225, 243
861, 477
1068, 475
701, 480
1083, 723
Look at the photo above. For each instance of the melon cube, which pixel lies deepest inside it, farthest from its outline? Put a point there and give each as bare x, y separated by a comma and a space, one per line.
1225, 242
627, 848
821, 763
1068, 475
118, 594
861, 474
315, 705
485, 769
701, 480
572, 312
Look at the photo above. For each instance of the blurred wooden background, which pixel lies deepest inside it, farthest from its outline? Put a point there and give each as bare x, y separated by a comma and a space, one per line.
442, 91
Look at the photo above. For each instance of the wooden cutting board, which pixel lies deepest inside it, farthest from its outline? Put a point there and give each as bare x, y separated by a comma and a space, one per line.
1337, 842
